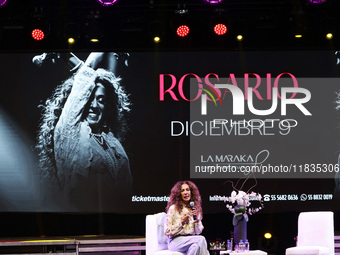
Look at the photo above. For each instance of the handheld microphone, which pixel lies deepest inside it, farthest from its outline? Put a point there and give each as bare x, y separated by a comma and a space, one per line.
72, 61
192, 205
40, 59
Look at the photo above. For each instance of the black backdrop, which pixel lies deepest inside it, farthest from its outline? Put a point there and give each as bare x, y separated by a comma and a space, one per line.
158, 159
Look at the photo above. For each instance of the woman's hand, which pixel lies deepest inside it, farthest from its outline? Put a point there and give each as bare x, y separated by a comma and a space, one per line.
106, 60
185, 218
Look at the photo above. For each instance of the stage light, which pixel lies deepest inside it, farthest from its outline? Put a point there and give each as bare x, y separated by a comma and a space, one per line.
329, 26
156, 39
71, 32
38, 34
240, 28
157, 29
267, 235
71, 40
213, 1
107, 2
181, 11
93, 31
298, 26
220, 29
2, 2
39, 24
268, 243
329, 36
183, 30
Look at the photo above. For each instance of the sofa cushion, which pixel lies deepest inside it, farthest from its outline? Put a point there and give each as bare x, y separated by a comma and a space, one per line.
160, 218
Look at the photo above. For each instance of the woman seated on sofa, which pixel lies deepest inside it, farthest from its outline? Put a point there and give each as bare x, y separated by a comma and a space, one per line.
183, 224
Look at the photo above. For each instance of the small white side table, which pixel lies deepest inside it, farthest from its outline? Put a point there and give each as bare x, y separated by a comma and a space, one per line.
254, 252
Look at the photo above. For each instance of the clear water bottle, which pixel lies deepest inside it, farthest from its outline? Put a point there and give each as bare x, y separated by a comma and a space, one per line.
246, 245
229, 246
236, 248
241, 246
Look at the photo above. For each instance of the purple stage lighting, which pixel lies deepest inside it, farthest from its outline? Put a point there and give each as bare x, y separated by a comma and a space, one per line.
213, 1
316, 1
107, 2
2, 2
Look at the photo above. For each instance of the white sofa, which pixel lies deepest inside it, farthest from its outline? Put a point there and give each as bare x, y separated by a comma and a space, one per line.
156, 240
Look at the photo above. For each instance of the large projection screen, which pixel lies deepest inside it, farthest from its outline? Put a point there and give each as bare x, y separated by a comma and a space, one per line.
212, 117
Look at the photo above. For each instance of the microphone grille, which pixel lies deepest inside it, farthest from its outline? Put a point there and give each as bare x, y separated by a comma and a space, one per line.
192, 204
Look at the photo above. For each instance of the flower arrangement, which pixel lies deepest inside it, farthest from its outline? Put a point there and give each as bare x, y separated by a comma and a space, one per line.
239, 204
243, 199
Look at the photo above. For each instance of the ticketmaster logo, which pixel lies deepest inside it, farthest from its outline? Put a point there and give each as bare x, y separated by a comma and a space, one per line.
150, 199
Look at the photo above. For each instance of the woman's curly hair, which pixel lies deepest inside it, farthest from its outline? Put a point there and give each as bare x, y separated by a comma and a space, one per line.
118, 106
176, 197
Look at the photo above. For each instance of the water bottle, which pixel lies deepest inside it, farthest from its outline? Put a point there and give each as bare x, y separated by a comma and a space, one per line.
236, 248
229, 246
246, 246
241, 246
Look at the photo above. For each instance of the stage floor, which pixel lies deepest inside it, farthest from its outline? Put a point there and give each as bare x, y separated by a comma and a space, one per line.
74, 245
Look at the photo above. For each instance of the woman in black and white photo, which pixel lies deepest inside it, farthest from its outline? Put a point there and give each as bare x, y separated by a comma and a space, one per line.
83, 123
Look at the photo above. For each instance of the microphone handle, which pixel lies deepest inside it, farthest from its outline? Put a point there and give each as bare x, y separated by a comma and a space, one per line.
194, 216
72, 61
192, 204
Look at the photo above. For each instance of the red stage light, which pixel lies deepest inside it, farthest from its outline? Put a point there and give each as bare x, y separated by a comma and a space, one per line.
183, 31
38, 34
220, 29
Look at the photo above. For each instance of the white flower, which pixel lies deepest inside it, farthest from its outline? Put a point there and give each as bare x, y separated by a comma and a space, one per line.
241, 194
243, 199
